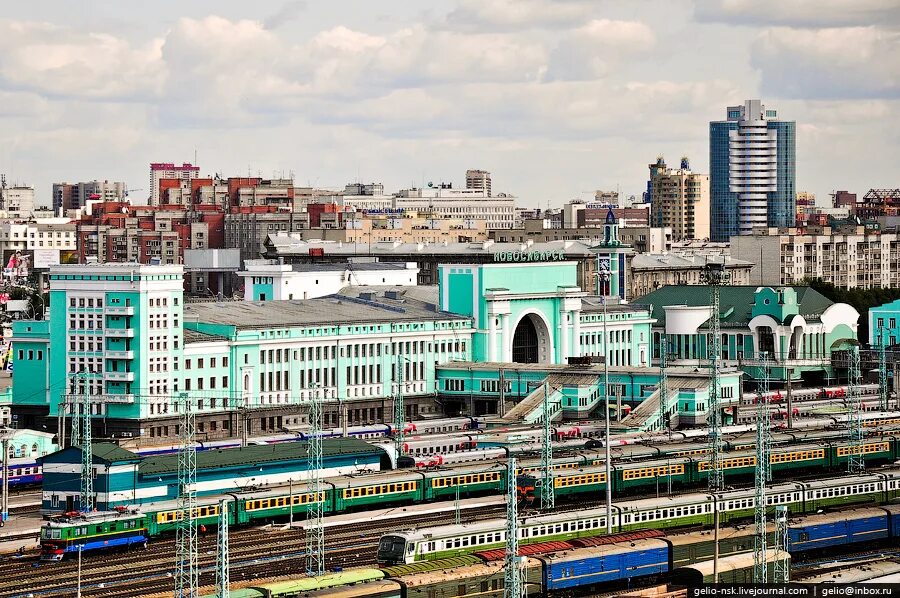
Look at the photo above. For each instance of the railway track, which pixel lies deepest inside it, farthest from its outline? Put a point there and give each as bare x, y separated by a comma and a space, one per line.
255, 553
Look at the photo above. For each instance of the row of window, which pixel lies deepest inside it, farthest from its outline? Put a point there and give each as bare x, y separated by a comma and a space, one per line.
270, 503
653, 472
170, 516
379, 490
797, 456
730, 463
201, 362
477, 478
878, 447
580, 480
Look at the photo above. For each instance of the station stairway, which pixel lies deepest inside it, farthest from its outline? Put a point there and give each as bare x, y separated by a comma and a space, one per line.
645, 417
530, 410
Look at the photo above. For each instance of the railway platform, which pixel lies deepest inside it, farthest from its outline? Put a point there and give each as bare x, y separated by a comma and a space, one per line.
365, 517
20, 531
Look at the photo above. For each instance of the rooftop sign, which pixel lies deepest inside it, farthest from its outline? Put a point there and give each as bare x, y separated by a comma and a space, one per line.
530, 256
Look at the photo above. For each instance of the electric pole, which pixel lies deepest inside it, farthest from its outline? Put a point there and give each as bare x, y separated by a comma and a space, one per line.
399, 409
187, 574
763, 474
87, 451
856, 461
782, 568
663, 383
223, 588
714, 275
883, 392
315, 533
548, 494
513, 579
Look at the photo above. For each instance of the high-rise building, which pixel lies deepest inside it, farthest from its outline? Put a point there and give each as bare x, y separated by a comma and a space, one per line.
16, 199
679, 198
70, 196
752, 158
479, 179
168, 170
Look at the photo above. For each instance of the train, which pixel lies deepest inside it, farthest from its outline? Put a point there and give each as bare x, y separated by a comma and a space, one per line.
806, 394
598, 564
666, 512
578, 474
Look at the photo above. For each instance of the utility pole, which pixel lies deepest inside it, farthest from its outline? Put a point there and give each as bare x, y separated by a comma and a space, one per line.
223, 587
5, 436
604, 275
782, 568
315, 533
856, 461
715, 275
187, 574
763, 474
883, 392
399, 409
87, 451
548, 494
663, 383
513, 582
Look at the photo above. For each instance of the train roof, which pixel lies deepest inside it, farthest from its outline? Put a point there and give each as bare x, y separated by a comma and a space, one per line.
366, 589
843, 480
254, 454
306, 584
732, 562
464, 469
469, 572
575, 554
725, 533
426, 566
834, 517
92, 517
663, 502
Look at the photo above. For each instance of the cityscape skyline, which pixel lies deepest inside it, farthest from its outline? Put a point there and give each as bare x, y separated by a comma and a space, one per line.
90, 95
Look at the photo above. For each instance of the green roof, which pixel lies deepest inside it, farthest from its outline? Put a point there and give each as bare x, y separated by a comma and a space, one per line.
735, 302
103, 452
331, 580
429, 566
256, 454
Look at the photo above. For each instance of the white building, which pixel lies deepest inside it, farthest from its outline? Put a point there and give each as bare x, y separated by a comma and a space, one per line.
266, 280
18, 199
479, 180
498, 211
51, 235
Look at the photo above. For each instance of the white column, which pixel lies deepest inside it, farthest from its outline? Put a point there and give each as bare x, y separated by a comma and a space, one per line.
506, 346
492, 337
564, 337
576, 327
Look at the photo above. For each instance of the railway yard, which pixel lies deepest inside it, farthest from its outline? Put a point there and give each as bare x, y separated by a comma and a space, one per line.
433, 515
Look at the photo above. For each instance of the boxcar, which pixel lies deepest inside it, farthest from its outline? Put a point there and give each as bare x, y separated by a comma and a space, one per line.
839, 529
591, 566
734, 569
481, 581
304, 585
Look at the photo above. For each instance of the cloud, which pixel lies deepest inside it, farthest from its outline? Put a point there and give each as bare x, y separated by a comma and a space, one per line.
833, 63
284, 15
590, 51
518, 14
798, 13
61, 62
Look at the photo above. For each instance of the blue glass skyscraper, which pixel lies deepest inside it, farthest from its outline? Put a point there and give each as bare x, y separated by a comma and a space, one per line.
752, 162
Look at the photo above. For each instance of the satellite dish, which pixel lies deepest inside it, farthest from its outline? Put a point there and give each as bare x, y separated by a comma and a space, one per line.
430, 184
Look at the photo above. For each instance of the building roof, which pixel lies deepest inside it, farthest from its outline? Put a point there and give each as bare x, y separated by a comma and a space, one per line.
104, 452
256, 454
195, 336
735, 301
679, 261
251, 265
351, 305
285, 245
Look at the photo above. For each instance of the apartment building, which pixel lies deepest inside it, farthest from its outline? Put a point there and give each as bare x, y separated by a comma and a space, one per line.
862, 258
679, 199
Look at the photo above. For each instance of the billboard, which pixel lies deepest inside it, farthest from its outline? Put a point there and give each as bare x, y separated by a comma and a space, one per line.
44, 258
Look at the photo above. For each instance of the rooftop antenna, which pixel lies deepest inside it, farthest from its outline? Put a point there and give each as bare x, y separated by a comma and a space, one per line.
87, 449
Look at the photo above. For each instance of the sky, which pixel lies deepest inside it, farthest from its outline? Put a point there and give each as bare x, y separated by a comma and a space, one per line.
556, 98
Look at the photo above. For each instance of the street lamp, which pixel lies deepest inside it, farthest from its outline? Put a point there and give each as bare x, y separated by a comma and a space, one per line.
603, 274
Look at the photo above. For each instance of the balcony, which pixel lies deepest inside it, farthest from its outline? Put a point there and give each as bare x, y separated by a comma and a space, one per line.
119, 376
127, 310
119, 399
116, 354
120, 332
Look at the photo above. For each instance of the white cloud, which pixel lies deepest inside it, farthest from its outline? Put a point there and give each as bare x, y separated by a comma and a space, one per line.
590, 51
798, 13
57, 61
518, 14
846, 62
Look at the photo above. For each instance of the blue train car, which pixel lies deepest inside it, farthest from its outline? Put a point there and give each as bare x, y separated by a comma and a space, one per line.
893, 514
838, 529
24, 471
589, 566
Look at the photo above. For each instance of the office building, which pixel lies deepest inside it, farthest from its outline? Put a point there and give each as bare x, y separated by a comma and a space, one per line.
272, 280
679, 199
649, 272
16, 200
72, 196
752, 157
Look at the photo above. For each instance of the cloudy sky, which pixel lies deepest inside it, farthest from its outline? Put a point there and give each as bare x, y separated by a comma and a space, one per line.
555, 97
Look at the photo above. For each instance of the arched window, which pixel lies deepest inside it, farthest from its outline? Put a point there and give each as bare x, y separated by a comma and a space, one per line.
34, 450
